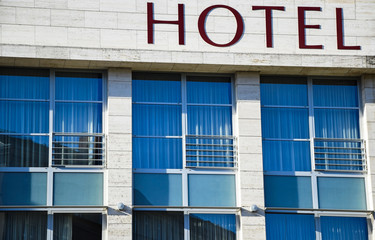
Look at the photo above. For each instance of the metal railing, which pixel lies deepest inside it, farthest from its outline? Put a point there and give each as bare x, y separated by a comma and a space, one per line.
211, 151
78, 150
340, 155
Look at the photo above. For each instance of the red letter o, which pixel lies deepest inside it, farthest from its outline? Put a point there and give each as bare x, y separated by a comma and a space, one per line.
202, 27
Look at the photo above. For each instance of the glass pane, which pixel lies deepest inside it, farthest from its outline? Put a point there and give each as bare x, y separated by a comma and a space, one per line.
290, 123
24, 151
283, 94
333, 228
212, 226
82, 226
156, 120
23, 225
286, 156
82, 189
23, 189
337, 123
288, 192
78, 118
159, 153
290, 227
158, 225
336, 95
209, 120
209, 90
24, 117
156, 91
341, 193
79, 86
157, 189
209, 190
24, 83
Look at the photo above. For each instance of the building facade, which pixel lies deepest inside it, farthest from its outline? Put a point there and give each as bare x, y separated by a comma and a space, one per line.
187, 120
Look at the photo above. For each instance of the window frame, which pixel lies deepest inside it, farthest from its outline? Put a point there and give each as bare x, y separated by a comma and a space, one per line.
186, 171
51, 169
313, 173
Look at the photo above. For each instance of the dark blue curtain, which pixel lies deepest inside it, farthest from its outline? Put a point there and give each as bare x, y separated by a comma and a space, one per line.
344, 228
290, 226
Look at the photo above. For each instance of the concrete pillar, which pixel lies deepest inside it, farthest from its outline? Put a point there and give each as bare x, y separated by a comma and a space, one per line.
119, 154
250, 154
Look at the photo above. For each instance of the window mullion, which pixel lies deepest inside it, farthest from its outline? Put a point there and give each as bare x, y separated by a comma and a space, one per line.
184, 132
312, 134
51, 113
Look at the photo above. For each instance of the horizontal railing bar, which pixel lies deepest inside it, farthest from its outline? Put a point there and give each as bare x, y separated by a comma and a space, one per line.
339, 170
339, 159
214, 145
79, 134
338, 153
319, 147
210, 150
213, 162
211, 136
76, 159
74, 153
350, 160
234, 167
57, 142
329, 164
78, 166
338, 139
76, 148
211, 156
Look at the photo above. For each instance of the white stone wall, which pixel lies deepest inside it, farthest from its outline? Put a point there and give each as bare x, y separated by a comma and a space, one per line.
119, 153
116, 31
250, 154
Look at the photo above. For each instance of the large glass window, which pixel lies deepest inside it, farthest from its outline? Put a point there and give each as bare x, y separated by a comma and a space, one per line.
183, 156
313, 158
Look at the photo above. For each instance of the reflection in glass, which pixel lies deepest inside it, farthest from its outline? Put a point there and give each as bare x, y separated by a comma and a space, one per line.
23, 225
23, 151
77, 226
212, 226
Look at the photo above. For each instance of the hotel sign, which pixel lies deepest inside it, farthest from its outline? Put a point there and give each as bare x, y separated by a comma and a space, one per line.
302, 26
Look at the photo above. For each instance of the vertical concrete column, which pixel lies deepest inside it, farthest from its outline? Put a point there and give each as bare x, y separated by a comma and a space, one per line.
250, 154
368, 131
119, 158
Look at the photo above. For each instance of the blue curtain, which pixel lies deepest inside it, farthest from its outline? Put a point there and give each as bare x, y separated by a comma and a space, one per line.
344, 228
156, 120
212, 226
286, 156
287, 191
209, 92
209, 120
23, 225
290, 227
24, 87
24, 117
79, 86
156, 91
285, 123
337, 123
159, 153
283, 94
153, 225
78, 118
335, 95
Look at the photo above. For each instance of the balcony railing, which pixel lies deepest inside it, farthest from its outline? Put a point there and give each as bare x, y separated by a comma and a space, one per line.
345, 155
211, 151
78, 150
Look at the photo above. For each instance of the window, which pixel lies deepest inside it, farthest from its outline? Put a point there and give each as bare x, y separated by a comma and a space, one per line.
183, 156
51, 153
313, 158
